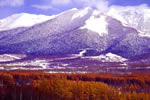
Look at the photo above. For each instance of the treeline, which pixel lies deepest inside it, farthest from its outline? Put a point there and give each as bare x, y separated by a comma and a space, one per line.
45, 86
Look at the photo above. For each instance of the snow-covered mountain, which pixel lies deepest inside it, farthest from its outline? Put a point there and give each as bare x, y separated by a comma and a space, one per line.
22, 20
137, 17
75, 30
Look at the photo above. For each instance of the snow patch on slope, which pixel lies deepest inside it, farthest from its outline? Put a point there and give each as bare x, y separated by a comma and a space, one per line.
80, 54
11, 57
81, 13
109, 57
97, 23
37, 63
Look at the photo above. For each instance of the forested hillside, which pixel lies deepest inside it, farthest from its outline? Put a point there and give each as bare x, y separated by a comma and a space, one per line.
45, 86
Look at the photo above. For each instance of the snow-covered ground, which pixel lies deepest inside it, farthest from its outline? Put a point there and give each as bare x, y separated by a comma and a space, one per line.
35, 63
11, 57
109, 57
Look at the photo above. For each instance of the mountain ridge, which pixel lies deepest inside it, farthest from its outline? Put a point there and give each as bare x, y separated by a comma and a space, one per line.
66, 34
22, 20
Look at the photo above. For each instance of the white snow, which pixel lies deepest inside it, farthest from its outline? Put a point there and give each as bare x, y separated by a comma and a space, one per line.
43, 63
144, 35
137, 17
97, 23
37, 62
124, 64
21, 68
68, 72
11, 57
82, 53
22, 20
64, 65
109, 57
113, 12
81, 13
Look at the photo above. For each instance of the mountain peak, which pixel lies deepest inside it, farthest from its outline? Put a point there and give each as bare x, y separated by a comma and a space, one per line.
81, 13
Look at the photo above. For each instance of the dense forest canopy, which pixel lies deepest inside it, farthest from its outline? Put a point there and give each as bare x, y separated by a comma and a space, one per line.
45, 86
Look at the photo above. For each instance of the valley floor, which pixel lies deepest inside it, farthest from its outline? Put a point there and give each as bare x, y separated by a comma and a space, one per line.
72, 64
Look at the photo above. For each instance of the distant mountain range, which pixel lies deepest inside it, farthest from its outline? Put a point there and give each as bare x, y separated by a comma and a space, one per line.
120, 32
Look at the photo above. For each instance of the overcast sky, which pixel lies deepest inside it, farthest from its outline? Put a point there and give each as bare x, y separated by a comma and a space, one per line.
50, 7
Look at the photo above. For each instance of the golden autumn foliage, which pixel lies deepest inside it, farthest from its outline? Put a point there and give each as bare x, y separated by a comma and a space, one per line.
45, 86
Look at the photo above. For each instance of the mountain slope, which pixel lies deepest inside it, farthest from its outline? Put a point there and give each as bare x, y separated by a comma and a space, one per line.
73, 30
136, 17
22, 20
